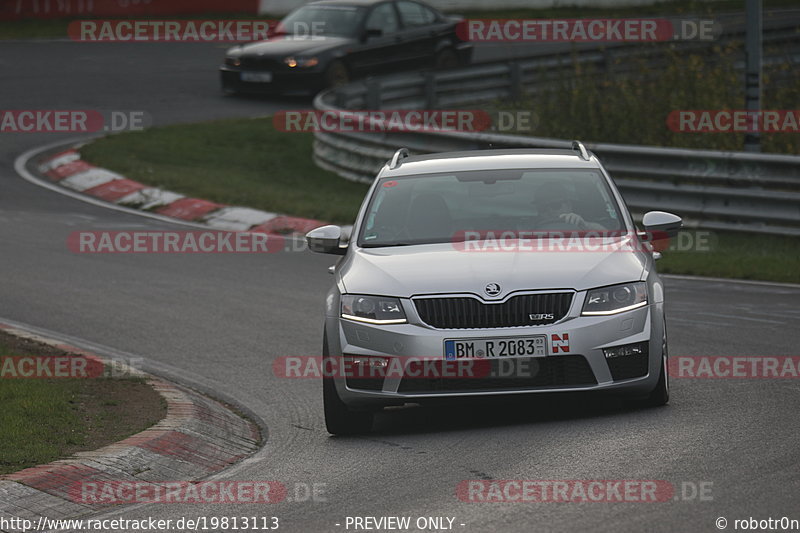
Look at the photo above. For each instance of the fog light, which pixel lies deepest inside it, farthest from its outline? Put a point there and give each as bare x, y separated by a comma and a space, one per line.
367, 361
625, 350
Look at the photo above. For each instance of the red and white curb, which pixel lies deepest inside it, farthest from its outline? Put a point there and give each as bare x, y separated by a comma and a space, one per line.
67, 169
197, 438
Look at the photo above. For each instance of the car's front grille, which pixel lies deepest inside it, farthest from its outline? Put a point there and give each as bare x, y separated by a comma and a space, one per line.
265, 63
509, 374
520, 310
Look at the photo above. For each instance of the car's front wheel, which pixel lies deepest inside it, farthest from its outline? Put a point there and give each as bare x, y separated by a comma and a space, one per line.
336, 75
660, 395
339, 419
446, 58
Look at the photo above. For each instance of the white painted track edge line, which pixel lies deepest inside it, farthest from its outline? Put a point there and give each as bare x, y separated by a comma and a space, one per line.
20, 166
733, 280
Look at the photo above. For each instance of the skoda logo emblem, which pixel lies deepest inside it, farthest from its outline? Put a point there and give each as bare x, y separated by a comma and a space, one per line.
492, 289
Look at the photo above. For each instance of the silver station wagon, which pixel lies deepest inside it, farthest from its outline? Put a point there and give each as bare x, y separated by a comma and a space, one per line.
489, 273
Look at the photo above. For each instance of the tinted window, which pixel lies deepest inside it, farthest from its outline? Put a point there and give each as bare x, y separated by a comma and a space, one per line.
323, 20
383, 17
414, 14
437, 208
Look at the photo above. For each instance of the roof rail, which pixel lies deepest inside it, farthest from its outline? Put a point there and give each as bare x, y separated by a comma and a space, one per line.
397, 158
578, 146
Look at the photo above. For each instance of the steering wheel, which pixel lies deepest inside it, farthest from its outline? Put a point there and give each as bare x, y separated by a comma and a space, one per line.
554, 223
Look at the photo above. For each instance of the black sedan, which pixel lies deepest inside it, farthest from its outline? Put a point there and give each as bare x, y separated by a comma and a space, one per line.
330, 42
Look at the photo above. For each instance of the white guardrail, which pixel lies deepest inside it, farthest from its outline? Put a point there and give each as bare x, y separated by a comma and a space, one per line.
736, 191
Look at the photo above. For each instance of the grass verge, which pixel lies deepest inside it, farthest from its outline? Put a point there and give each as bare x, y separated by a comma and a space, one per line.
734, 255
637, 103
247, 162
47, 419
238, 162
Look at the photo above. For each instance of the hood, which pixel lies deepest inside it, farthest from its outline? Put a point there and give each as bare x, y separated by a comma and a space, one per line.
406, 271
292, 45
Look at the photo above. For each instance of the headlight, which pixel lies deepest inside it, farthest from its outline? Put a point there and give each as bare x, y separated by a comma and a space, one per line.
303, 62
615, 299
373, 309
233, 61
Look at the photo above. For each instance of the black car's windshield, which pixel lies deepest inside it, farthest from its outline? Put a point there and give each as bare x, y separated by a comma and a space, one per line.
323, 20
442, 207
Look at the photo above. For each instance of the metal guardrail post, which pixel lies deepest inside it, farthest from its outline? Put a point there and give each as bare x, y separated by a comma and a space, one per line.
340, 98
431, 99
373, 100
516, 90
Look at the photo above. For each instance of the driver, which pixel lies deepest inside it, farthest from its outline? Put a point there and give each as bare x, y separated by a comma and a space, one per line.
554, 204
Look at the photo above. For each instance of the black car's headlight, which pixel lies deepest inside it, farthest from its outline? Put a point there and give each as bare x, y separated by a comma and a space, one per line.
373, 309
615, 299
302, 62
233, 61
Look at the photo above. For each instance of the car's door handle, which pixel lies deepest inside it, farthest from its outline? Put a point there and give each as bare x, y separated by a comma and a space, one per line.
331, 269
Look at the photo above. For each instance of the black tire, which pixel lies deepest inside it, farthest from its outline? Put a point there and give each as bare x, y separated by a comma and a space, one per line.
660, 395
445, 59
226, 88
339, 419
336, 75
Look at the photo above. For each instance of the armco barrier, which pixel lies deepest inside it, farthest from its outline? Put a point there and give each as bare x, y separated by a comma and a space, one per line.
711, 189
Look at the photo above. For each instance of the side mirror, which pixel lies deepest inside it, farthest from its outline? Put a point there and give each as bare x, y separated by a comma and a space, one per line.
659, 228
371, 32
326, 240
663, 225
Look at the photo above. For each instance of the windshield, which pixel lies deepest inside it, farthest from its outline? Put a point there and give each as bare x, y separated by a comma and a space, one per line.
441, 207
323, 20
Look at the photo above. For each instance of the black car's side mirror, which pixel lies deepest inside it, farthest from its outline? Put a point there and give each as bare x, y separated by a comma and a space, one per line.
371, 32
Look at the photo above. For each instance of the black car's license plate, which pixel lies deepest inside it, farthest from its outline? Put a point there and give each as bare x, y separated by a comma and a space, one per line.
259, 77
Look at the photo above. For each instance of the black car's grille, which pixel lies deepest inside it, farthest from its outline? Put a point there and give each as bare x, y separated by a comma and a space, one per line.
466, 312
511, 374
261, 63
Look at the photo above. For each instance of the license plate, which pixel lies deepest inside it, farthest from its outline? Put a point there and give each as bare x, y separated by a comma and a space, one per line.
533, 346
261, 77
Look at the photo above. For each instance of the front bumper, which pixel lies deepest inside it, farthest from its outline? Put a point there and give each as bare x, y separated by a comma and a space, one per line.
464, 52
577, 365
304, 81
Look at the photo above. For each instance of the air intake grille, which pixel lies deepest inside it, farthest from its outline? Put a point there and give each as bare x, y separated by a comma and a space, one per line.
466, 312
509, 374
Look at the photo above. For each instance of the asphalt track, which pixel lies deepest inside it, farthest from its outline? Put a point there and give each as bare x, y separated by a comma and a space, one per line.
218, 322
